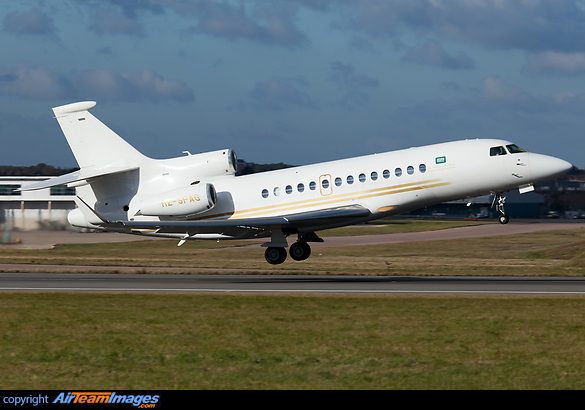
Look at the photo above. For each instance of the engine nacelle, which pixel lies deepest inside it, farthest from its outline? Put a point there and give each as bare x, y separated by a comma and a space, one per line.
218, 164
182, 202
212, 164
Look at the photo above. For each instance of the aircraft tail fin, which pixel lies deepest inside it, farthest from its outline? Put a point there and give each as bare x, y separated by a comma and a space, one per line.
92, 142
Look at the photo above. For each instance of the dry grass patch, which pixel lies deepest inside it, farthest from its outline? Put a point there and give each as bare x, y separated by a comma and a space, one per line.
550, 253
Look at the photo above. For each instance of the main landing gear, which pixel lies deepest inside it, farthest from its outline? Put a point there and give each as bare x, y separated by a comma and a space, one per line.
498, 203
299, 250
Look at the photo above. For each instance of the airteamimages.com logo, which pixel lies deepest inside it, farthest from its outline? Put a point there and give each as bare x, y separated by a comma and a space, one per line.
143, 401
80, 398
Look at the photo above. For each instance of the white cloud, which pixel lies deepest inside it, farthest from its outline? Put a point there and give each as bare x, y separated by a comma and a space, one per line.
277, 93
494, 88
431, 53
555, 63
505, 24
352, 83
33, 22
115, 22
27, 81
269, 23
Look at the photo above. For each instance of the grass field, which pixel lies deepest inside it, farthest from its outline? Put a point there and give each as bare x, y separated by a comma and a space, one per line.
117, 341
130, 341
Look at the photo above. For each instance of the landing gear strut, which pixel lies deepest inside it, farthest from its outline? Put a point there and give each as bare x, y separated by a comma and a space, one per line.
498, 203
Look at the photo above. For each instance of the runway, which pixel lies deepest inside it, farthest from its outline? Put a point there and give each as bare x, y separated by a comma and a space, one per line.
281, 284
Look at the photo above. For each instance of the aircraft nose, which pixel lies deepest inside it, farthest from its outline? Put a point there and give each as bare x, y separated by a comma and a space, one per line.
544, 168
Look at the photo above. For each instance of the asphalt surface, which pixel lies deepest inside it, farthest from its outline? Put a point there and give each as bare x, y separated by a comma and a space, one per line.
140, 283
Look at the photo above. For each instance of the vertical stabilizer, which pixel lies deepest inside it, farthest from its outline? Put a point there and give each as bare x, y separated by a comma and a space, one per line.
92, 143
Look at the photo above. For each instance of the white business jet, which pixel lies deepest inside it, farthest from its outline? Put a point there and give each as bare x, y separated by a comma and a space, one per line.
199, 196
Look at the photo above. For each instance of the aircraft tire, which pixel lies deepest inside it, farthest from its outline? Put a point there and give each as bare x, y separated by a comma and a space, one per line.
300, 251
275, 255
504, 219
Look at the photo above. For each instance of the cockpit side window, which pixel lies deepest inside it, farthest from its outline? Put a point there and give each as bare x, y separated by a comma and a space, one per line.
495, 151
514, 149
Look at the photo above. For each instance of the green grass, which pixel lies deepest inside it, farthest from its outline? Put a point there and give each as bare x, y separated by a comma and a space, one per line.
123, 341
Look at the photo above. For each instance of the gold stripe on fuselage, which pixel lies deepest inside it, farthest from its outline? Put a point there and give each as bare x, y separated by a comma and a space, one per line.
297, 205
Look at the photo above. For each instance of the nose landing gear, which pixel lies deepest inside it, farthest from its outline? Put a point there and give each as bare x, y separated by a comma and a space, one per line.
500, 198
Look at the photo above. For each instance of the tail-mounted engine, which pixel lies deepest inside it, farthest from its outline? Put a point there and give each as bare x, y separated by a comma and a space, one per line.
212, 164
182, 202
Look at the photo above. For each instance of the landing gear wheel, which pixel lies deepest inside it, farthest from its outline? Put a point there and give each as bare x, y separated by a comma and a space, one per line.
300, 251
504, 219
275, 255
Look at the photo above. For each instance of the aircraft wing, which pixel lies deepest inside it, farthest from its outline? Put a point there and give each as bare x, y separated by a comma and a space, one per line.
318, 219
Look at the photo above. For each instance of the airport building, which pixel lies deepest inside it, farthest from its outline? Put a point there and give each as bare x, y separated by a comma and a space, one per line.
529, 205
42, 209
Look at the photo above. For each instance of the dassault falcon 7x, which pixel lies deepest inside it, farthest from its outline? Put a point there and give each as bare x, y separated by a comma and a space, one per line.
200, 197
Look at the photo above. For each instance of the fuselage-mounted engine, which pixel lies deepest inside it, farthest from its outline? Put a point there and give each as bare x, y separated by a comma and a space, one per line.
180, 203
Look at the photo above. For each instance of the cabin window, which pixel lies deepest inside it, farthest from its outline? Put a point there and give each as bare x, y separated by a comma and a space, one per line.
410, 170
312, 185
6, 190
398, 172
337, 181
386, 174
422, 168
264, 193
374, 176
301, 187
495, 151
514, 149
276, 191
288, 189
61, 190
362, 177
350, 179
325, 183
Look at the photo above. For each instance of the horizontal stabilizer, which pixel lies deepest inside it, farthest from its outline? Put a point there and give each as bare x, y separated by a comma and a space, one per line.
82, 174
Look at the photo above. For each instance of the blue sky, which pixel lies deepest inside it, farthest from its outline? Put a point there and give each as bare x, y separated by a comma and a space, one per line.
295, 81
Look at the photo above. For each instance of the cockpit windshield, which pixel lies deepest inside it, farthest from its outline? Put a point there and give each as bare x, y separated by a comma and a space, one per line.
514, 149
495, 151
